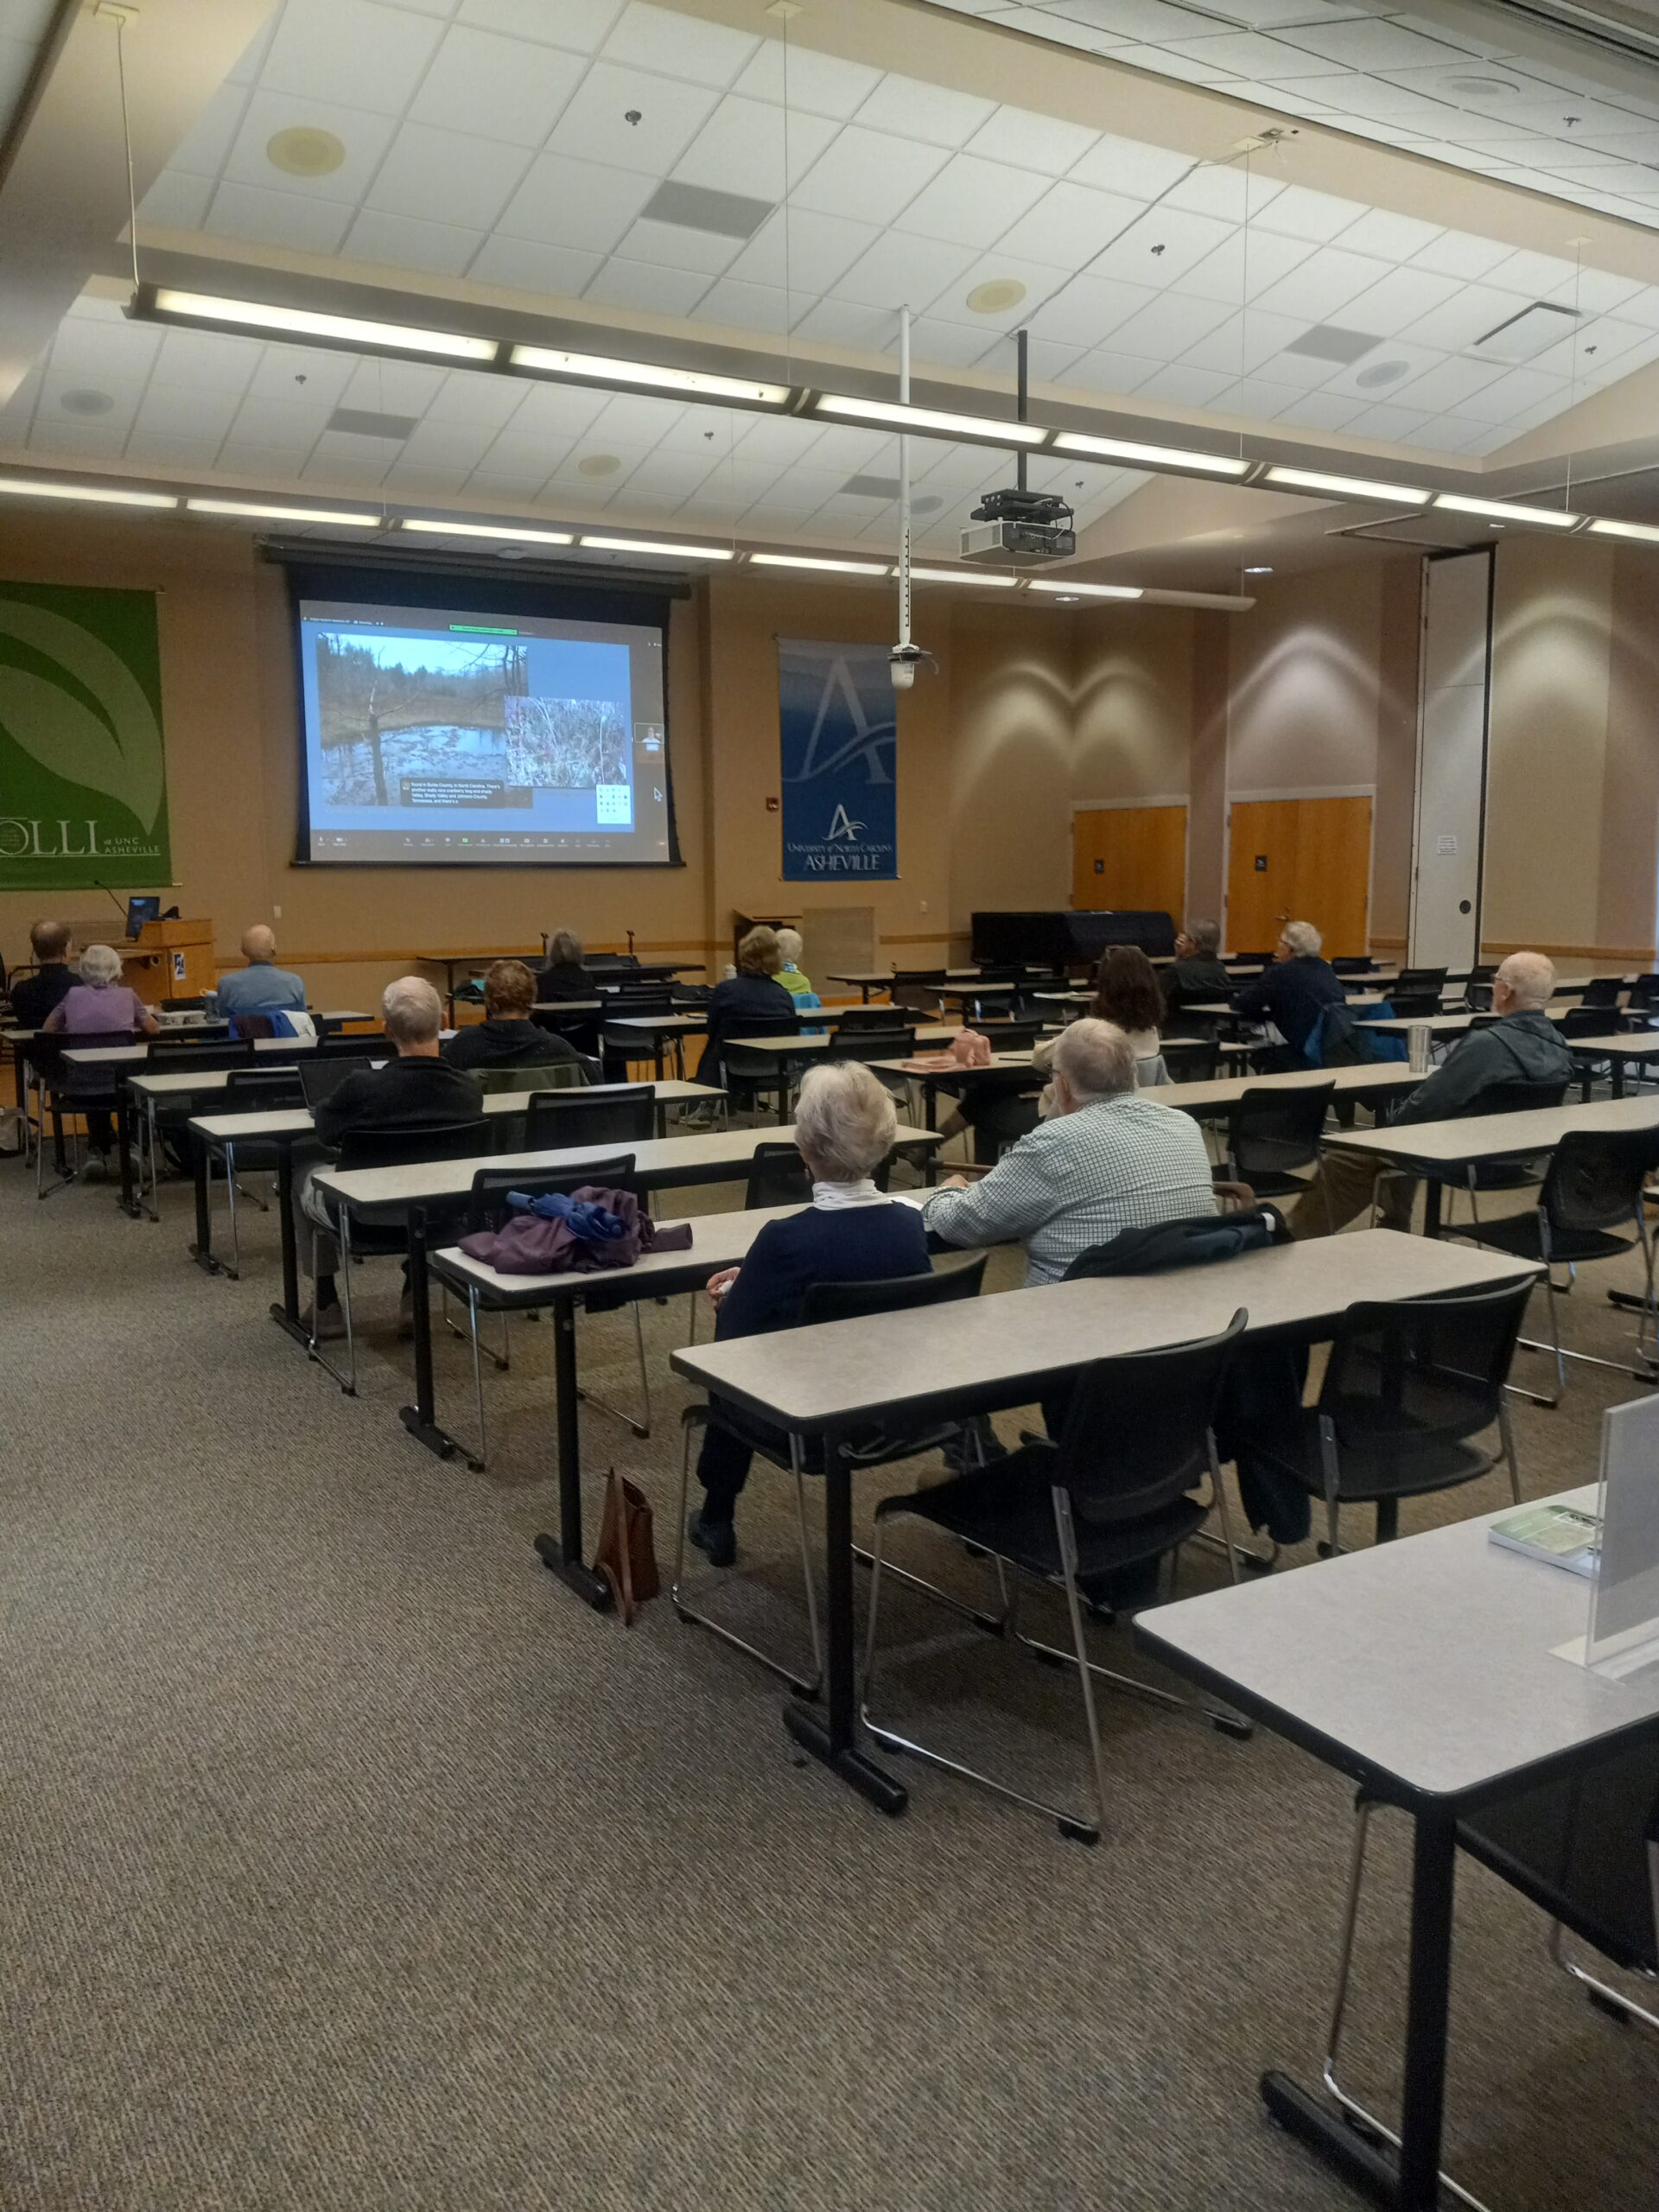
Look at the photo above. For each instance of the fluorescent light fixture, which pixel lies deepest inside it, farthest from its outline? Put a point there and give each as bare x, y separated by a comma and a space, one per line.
802, 561
24, 487
252, 512
442, 528
667, 552
1139, 456
1507, 510
689, 383
1643, 532
1348, 487
1087, 591
931, 422
257, 316
961, 576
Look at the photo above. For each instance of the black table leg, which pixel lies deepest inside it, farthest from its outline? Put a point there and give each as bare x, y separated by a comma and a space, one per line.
1409, 2178
1432, 1206
562, 1554
832, 1735
123, 1149
287, 1315
1617, 1065
421, 1419
202, 1250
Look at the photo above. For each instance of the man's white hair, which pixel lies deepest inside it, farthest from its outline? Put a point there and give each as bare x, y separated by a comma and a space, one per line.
845, 1123
1531, 977
1096, 1060
790, 944
101, 965
1302, 938
412, 1010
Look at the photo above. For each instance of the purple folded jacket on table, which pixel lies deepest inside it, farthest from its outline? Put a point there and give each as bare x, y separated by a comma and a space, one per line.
593, 1230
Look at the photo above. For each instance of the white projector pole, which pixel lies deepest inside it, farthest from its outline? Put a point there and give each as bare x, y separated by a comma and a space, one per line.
903, 482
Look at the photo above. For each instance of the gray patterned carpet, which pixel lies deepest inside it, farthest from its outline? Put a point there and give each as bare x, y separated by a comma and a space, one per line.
349, 1862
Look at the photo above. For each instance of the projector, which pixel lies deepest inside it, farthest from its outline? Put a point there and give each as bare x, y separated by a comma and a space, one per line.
1022, 527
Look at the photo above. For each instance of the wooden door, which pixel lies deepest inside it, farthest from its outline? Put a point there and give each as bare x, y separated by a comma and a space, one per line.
1303, 860
1129, 857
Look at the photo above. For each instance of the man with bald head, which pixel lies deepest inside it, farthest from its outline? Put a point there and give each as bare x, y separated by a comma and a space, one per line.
261, 986
1523, 1047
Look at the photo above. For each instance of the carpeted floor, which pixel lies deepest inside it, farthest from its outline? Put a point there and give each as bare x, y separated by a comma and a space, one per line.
350, 1862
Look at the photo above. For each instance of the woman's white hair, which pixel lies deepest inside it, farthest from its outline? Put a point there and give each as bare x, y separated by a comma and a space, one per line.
790, 944
1096, 1060
845, 1123
101, 965
412, 1010
1302, 938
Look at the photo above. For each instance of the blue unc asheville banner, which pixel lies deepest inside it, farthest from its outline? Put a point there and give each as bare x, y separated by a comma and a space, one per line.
838, 738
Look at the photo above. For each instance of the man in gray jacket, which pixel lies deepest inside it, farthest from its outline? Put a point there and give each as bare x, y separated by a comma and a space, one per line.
1523, 1047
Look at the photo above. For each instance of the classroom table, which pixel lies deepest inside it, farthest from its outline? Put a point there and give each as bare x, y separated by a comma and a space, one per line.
284, 1127
1453, 1025
866, 979
1424, 1671
450, 961
988, 1354
663, 1163
1378, 1079
1629, 1047
654, 1031
1430, 1148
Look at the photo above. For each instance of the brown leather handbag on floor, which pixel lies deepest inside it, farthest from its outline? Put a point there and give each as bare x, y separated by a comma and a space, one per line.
627, 1556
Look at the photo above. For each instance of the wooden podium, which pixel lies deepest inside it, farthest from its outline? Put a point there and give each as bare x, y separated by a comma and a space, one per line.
167, 960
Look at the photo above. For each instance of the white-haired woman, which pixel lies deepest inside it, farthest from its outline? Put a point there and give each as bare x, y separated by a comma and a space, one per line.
101, 1005
790, 948
844, 1126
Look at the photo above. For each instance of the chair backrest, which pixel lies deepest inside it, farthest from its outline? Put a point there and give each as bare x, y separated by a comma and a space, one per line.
375, 1045
762, 1024
1408, 1374
1414, 1005
262, 1090
1602, 990
1588, 1021
1596, 1179
1275, 1130
556, 1120
854, 1301
1137, 1431
777, 1177
321, 1073
184, 1006
890, 1043
1011, 1036
402, 1147
1518, 1097
76, 1079
487, 1206
173, 1059
864, 1017
251, 1026
1419, 979
916, 987
1191, 1059
1155, 1249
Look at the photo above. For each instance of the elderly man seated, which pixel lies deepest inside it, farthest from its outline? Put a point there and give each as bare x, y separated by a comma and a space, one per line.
1293, 995
1107, 1159
261, 986
1523, 1046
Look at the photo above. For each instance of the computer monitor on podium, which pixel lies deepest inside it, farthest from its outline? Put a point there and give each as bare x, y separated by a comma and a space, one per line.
140, 911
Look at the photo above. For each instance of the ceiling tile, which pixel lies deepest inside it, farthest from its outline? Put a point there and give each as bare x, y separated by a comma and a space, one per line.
1458, 321
972, 202
1395, 423
1244, 266
562, 202
380, 52
1050, 360
1459, 253
1087, 309
84, 440
339, 458
741, 148
747, 307
807, 83
1321, 411
1369, 42
660, 38
1160, 248
290, 427
1247, 53
202, 150
1443, 388
593, 126
399, 242
365, 136
522, 265
530, 461
652, 291
176, 202
802, 251
300, 373
1535, 276
1383, 375
868, 175
1040, 284
448, 445
902, 271
1125, 165
1224, 188
1320, 288
955, 345
1397, 300
185, 456
1508, 395
1394, 238
1180, 386
411, 479
673, 246
496, 87
582, 25
912, 109
1031, 142
1103, 371
1320, 216
1071, 224
393, 387
1169, 327
1240, 346
558, 412
175, 411
843, 322
200, 360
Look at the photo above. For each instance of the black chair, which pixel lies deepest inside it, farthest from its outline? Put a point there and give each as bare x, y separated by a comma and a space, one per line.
1593, 1188
1601, 991
1407, 1384
1415, 1006
69, 1088
1584, 1847
172, 1058
487, 1209
1113, 1493
777, 1177
363, 1150
554, 1120
253, 1090
918, 988
832, 1301
1191, 1059
863, 1017
1011, 1036
1353, 964
1589, 1021
749, 1076
868, 1045
336, 1047
1272, 1133
1518, 1175
184, 1006
1425, 982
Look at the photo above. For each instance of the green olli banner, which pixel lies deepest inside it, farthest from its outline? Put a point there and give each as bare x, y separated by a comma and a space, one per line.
83, 776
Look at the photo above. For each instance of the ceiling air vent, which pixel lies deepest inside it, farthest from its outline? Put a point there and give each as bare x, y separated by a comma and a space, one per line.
697, 207
364, 423
1525, 336
1329, 341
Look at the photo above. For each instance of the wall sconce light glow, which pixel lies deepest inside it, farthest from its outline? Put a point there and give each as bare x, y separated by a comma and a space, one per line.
1084, 591
1508, 511
1134, 455
962, 576
689, 383
894, 415
23, 488
833, 567
1643, 532
1348, 487
667, 552
250, 511
261, 320
439, 528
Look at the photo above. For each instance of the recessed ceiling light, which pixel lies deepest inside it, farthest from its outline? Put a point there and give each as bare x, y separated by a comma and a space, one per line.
250, 509
1133, 454
87, 402
1348, 487
598, 464
1382, 373
1481, 88
961, 576
930, 506
1508, 511
995, 295
1084, 591
804, 561
1642, 531
304, 151
667, 552
439, 527
26, 487
888, 414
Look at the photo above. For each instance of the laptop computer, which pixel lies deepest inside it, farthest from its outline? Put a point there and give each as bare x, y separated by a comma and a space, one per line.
140, 911
319, 1076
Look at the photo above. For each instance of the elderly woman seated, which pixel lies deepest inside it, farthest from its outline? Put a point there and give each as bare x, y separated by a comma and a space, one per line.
101, 1005
844, 1126
507, 1037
